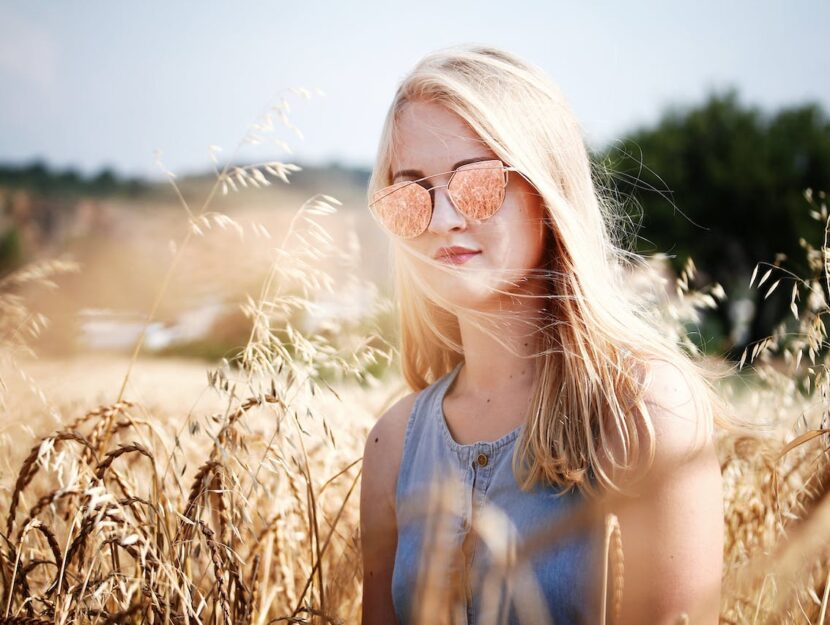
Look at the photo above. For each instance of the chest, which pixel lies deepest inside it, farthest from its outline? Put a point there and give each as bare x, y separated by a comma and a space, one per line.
486, 418
554, 585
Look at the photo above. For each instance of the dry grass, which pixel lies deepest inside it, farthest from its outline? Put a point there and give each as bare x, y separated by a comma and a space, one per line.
241, 515
246, 512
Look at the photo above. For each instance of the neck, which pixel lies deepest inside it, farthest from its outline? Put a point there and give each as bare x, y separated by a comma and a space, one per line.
500, 351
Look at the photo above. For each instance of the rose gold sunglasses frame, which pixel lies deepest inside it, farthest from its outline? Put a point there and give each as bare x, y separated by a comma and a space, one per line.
502, 166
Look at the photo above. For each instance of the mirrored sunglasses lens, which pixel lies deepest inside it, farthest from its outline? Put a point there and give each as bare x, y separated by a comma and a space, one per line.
478, 191
403, 208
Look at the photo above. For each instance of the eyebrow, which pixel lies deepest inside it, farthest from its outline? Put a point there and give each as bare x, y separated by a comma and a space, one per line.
417, 173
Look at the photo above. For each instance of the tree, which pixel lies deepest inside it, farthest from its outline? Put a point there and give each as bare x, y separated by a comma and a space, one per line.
738, 176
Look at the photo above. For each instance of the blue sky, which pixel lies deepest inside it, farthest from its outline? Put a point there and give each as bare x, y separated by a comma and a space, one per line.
93, 83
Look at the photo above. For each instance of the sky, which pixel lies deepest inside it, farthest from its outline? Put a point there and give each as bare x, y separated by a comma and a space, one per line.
93, 84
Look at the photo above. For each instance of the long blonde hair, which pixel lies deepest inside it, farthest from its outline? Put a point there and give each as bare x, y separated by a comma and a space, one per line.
596, 344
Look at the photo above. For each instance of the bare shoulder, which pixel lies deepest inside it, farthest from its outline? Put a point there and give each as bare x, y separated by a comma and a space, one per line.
383, 450
681, 428
378, 530
672, 532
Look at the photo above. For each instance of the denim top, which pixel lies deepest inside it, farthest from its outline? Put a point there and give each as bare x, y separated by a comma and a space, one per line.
559, 584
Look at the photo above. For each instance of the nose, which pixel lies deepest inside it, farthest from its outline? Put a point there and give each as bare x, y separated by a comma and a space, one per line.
445, 216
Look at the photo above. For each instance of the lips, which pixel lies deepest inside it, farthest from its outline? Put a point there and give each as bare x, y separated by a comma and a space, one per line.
456, 254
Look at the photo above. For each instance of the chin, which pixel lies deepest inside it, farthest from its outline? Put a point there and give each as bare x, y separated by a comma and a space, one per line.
467, 292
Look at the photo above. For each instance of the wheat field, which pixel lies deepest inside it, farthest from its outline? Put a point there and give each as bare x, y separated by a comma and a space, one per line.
137, 489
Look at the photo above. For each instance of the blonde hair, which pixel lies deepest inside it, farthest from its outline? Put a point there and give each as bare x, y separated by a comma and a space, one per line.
596, 343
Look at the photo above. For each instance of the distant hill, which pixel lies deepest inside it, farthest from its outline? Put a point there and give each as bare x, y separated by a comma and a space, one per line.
41, 206
40, 179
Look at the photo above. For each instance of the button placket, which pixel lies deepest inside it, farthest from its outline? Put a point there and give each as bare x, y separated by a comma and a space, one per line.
473, 493
480, 457
469, 483
469, 505
481, 460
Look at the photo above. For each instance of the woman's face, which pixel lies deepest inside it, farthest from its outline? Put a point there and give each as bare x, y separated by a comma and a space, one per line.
431, 139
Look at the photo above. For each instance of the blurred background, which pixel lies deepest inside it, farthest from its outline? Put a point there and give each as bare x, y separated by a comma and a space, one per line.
711, 119
182, 183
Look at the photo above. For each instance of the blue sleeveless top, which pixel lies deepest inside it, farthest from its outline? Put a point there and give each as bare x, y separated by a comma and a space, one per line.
558, 585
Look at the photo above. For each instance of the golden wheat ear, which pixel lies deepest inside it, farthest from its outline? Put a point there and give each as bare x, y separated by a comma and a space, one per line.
612, 559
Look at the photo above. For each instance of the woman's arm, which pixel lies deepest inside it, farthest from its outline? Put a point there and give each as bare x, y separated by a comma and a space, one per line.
378, 531
672, 534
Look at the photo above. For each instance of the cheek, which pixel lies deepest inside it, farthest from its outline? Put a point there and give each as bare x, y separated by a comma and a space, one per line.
532, 231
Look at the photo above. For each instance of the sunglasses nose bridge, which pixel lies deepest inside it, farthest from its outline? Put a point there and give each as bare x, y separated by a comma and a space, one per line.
438, 186
445, 213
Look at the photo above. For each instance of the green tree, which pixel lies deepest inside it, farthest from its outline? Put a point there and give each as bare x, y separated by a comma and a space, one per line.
724, 183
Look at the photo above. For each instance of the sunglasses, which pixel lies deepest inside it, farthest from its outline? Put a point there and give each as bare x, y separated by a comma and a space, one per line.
476, 189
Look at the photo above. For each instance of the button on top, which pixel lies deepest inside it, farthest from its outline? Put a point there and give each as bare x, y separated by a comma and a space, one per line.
482, 460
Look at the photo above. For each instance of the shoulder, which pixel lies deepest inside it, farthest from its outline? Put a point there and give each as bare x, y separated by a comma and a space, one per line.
668, 416
672, 531
681, 428
383, 449
378, 525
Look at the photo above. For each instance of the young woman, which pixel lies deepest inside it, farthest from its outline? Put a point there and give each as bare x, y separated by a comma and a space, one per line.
539, 384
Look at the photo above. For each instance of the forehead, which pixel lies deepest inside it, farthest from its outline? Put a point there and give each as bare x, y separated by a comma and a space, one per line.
431, 138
